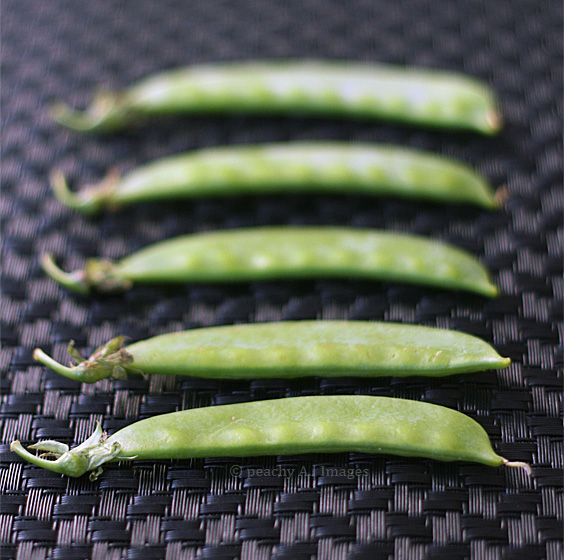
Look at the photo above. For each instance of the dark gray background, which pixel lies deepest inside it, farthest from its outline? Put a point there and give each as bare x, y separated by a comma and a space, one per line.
411, 508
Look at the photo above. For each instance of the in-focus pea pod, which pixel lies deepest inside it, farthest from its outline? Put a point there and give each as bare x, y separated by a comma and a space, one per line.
320, 424
288, 349
326, 167
422, 97
276, 253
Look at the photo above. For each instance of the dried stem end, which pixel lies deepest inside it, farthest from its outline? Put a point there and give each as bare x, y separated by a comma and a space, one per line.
518, 465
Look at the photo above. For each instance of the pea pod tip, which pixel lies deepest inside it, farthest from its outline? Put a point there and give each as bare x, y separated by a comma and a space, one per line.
500, 197
488, 289
495, 122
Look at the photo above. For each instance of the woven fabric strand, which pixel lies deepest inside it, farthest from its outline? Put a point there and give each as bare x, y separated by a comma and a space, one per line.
324, 506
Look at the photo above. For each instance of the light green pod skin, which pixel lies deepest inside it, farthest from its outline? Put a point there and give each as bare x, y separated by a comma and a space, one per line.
289, 349
324, 167
421, 97
276, 253
320, 424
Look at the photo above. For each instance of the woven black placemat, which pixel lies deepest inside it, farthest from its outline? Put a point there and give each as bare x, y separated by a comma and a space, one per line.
328, 506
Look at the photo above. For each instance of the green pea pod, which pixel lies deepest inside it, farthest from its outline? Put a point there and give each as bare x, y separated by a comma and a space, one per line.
327, 167
274, 253
288, 349
322, 424
422, 97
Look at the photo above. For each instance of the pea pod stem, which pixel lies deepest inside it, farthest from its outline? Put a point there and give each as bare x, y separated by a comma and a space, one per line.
74, 281
289, 87
89, 200
46, 360
88, 456
108, 112
110, 360
288, 349
275, 253
332, 167
320, 424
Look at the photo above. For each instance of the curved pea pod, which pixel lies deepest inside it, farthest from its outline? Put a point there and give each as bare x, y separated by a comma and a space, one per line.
275, 253
324, 167
321, 424
422, 97
288, 349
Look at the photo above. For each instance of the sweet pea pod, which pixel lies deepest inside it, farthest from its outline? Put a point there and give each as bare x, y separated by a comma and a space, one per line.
274, 253
322, 424
288, 349
326, 167
342, 89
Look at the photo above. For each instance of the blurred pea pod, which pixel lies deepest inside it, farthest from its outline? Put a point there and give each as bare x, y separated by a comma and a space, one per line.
423, 97
323, 167
282, 253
